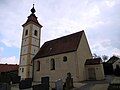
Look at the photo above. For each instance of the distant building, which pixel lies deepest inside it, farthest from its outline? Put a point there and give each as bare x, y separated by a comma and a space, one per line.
114, 61
4, 68
56, 57
7, 71
94, 69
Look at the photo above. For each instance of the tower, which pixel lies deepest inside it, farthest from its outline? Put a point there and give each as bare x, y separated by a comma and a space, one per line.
30, 44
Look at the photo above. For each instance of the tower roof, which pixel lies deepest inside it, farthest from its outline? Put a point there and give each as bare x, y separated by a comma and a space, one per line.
33, 10
32, 18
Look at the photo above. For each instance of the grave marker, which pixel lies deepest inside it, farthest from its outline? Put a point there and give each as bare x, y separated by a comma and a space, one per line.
59, 85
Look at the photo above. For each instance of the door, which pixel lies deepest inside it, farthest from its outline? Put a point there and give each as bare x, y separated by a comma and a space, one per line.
92, 75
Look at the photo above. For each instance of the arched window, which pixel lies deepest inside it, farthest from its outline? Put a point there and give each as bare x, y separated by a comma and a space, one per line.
35, 32
64, 58
52, 64
26, 32
38, 65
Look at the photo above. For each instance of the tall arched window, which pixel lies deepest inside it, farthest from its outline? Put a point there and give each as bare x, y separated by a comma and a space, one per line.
26, 32
35, 33
64, 58
52, 64
38, 65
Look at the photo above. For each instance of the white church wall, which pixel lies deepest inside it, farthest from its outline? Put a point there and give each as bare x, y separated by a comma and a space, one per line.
35, 42
34, 50
24, 50
83, 53
61, 67
30, 72
24, 60
25, 41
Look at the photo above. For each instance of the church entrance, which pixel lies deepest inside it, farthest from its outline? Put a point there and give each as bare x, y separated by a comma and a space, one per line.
92, 75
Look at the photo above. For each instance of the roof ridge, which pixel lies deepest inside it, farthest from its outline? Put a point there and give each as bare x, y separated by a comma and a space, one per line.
65, 36
65, 44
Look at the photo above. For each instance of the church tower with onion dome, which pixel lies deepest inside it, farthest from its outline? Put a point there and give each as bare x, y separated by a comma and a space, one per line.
30, 44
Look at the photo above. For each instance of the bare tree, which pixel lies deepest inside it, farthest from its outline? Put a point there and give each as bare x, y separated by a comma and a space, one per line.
104, 57
95, 55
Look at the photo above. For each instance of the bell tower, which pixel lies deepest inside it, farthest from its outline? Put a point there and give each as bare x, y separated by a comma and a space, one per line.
30, 44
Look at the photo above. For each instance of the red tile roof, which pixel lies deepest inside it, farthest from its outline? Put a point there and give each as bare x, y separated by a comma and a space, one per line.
8, 67
61, 45
93, 61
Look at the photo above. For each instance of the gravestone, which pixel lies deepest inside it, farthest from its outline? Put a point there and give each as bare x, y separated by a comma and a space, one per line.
25, 84
115, 84
45, 80
59, 85
69, 82
15, 79
5, 86
39, 87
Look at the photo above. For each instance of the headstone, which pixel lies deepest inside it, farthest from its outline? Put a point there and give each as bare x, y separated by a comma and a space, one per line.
5, 77
45, 80
69, 82
114, 86
5, 86
15, 79
59, 85
39, 87
25, 84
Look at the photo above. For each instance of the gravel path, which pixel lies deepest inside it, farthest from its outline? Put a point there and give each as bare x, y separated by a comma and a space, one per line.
96, 85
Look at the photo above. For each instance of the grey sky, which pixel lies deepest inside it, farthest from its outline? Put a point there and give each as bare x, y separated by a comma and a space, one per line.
99, 18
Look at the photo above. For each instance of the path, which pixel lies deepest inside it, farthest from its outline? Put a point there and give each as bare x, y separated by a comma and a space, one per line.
96, 85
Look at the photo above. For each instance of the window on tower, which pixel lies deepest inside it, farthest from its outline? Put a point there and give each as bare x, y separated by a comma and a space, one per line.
26, 32
35, 33
22, 69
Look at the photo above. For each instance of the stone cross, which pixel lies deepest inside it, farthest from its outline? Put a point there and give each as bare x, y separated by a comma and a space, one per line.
69, 82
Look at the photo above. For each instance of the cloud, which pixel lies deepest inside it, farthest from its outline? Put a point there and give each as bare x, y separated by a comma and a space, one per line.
11, 38
101, 45
99, 19
11, 19
116, 51
9, 60
110, 3
1, 49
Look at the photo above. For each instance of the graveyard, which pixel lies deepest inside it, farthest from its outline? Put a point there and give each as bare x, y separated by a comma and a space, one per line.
110, 83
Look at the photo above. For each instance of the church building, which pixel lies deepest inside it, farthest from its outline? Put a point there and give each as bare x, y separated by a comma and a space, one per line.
56, 58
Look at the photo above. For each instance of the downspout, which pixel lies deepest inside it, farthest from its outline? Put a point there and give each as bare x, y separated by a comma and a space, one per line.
32, 69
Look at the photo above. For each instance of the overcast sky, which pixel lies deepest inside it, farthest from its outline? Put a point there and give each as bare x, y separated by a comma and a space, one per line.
99, 18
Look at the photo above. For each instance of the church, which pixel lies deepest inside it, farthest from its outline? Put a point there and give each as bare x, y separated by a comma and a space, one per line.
56, 58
